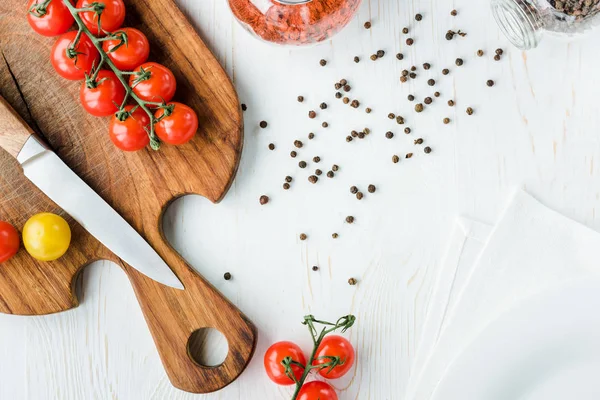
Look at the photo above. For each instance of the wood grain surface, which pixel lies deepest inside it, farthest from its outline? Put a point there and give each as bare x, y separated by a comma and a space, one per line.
138, 185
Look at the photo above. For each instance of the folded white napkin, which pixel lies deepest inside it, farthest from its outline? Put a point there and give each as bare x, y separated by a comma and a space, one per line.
489, 269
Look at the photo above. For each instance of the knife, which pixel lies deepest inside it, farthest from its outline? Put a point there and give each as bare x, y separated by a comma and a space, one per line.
53, 177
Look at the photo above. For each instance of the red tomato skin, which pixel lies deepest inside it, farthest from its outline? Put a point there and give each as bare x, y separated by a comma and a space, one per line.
56, 21
76, 68
179, 127
316, 390
334, 345
112, 17
272, 362
130, 135
9, 241
131, 55
100, 101
159, 87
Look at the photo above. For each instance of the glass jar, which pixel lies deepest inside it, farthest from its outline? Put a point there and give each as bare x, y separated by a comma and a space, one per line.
294, 22
524, 22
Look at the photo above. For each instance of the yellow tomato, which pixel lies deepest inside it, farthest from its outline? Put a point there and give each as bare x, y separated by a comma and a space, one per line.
46, 236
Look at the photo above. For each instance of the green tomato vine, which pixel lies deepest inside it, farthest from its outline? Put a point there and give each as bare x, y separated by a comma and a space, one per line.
40, 9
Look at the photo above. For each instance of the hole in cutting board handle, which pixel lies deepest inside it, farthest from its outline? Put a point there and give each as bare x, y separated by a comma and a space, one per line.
208, 347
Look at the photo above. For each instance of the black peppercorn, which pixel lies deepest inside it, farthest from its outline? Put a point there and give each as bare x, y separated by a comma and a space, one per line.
244, 107
263, 200
334, 235
380, 53
312, 114
497, 57
355, 104
409, 155
413, 68
450, 35
361, 135
400, 120
356, 59
330, 174
400, 56
431, 82
418, 141
446, 121
348, 139
490, 83
403, 79
323, 106
324, 124
352, 282
373, 57
302, 164
271, 146
263, 124
469, 111
391, 115
410, 41
419, 107
227, 276
293, 154
323, 62
286, 186
353, 189
407, 130
418, 17
426, 66
311, 136
411, 97
371, 188
350, 219
300, 99
427, 150
459, 62
347, 88
451, 103
389, 135
428, 100
335, 168
298, 144
437, 94
367, 25
395, 159
337, 86
316, 159
313, 179
479, 53
445, 71
345, 100
454, 13
354, 133
359, 195
288, 179
318, 172
412, 75
499, 52
303, 236
343, 82
405, 30
315, 268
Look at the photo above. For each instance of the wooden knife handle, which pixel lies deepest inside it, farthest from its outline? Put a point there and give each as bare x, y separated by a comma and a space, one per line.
14, 132
174, 315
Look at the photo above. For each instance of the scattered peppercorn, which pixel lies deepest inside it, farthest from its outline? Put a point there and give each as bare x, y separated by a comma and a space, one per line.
323, 62
354, 133
293, 154
431, 82
409, 155
334, 235
244, 107
324, 124
437, 94
497, 57
418, 17
353, 189
410, 41
400, 56
303, 236
419, 107
300, 99
347, 88
263, 200
346, 100
445, 71
330, 174
459, 62
343, 82
405, 30
359, 195
499, 52
367, 25
366, 131
348, 139
469, 111
446, 121
335, 168
407, 130
323, 106
490, 83
227, 276
263, 124
312, 114
479, 53
403, 79
288, 178
337, 86
395, 159
373, 57
380, 53
315, 268
426, 66
271, 146
391, 115
356, 59
400, 120
338, 95
427, 150
352, 282
298, 144
318, 172
428, 100
355, 104
311, 136
404, 72
302, 164
350, 219
313, 179
451, 103
412, 75
450, 35
361, 135
316, 159
454, 13
371, 188
413, 68
419, 141
411, 97
286, 186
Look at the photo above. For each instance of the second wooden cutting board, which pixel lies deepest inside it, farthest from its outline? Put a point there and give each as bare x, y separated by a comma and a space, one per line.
139, 185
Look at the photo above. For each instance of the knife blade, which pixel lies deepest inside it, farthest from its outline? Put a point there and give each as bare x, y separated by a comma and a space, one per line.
53, 177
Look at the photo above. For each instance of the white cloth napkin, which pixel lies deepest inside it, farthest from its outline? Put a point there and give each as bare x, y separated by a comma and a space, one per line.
489, 269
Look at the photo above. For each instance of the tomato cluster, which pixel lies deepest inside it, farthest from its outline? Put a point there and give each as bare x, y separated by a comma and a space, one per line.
331, 348
100, 40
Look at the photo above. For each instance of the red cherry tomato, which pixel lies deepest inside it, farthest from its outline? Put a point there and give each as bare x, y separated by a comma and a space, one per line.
336, 346
130, 134
272, 361
73, 68
153, 82
111, 18
105, 98
9, 241
53, 20
131, 53
179, 126
316, 390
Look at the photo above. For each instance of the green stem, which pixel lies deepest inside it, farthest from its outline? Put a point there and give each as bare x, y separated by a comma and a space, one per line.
154, 141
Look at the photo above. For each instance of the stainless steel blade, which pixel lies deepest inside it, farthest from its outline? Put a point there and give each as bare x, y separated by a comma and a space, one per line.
47, 171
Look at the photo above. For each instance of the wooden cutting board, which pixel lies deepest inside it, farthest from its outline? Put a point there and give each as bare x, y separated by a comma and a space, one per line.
138, 185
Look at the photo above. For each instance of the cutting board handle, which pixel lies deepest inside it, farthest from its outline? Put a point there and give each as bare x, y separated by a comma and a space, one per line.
14, 132
173, 315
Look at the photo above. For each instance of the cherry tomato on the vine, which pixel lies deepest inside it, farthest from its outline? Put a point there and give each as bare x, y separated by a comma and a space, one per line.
46, 236
178, 125
316, 390
104, 97
9, 241
130, 134
153, 82
111, 18
272, 362
335, 346
130, 53
52, 19
84, 56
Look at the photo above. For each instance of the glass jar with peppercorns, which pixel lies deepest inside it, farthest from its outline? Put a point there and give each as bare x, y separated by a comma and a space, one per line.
525, 22
294, 22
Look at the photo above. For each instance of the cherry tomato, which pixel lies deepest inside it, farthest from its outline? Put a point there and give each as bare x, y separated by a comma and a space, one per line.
272, 361
316, 390
130, 134
56, 18
46, 236
111, 19
105, 98
74, 68
131, 54
154, 82
336, 346
9, 241
179, 126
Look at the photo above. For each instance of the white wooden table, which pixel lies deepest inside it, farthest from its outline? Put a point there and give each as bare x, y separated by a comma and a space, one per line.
538, 126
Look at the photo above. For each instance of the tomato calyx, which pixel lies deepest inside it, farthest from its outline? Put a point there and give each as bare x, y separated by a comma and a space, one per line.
142, 75
40, 9
121, 36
